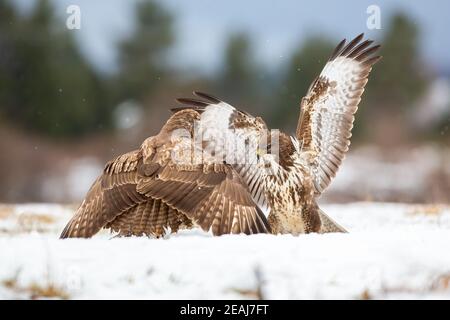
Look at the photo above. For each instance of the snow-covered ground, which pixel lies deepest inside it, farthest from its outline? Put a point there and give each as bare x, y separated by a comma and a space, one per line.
420, 174
392, 251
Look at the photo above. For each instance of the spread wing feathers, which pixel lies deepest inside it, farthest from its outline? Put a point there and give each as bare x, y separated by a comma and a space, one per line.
252, 177
236, 115
111, 194
114, 192
327, 110
197, 104
232, 134
230, 209
212, 196
144, 192
151, 218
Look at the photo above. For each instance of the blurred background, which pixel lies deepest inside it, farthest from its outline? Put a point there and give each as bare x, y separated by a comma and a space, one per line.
71, 99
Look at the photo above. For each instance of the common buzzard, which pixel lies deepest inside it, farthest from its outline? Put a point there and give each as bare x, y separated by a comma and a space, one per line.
170, 182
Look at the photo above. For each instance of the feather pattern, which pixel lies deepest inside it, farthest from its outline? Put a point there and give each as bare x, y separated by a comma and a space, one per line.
149, 192
226, 130
144, 192
327, 110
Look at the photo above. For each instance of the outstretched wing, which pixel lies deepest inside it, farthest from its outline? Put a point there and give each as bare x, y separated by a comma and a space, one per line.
212, 196
233, 135
145, 191
114, 193
111, 194
327, 110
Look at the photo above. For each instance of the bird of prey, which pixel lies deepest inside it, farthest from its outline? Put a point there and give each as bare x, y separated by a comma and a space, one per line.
177, 180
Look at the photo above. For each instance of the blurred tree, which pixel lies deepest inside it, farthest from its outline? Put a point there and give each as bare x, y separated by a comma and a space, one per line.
8, 24
399, 79
304, 66
141, 57
48, 86
8, 17
396, 82
238, 79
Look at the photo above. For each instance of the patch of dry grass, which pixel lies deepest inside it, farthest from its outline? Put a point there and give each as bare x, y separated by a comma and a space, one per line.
437, 284
28, 219
19, 222
254, 293
6, 211
250, 294
11, 283
442, 283
47, 291
428, 210
365, 295
34, 290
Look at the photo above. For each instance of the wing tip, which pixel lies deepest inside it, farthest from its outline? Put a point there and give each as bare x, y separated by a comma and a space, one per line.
196, 104
207, 96
182, 108
67, 230
371, 61
192, 102
356, 49
337, 50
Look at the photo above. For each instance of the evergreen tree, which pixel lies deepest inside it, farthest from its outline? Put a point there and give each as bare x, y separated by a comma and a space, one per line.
304, 66
50, 87
9, 23
395, 84
238, 79
398, 80
142, 56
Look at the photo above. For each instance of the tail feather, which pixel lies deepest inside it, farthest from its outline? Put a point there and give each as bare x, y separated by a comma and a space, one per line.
329, 225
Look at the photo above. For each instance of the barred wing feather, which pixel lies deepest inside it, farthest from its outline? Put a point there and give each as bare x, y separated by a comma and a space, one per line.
327, 110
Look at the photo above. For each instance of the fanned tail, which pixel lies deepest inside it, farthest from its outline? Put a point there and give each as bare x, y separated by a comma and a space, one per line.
329, 225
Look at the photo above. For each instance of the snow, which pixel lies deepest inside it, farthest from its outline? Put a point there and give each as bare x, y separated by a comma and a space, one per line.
392, 251
434, 105
72, 181
407, 174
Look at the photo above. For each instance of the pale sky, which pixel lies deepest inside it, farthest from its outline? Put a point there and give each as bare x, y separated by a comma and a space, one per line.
277, 27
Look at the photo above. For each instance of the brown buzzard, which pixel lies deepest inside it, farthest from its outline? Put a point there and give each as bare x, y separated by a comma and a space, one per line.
170, 182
